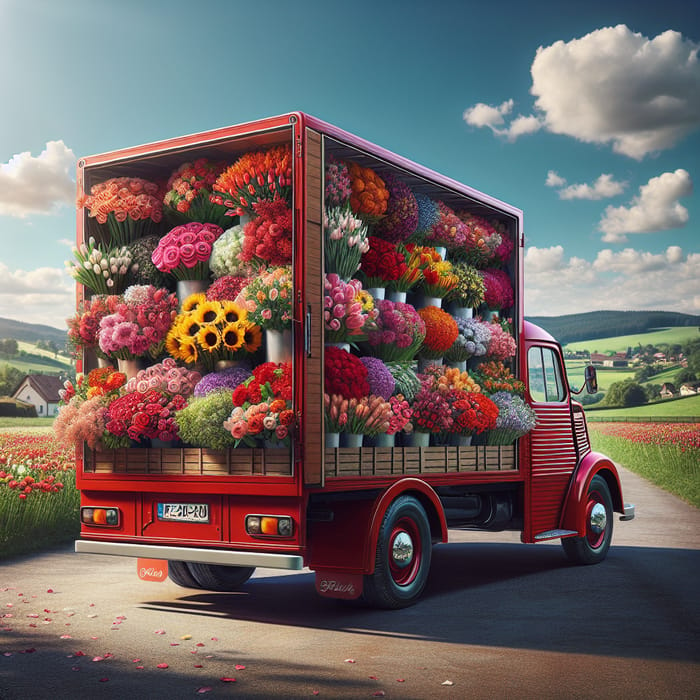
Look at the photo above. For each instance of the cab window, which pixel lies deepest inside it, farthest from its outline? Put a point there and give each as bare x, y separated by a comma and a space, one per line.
544, 376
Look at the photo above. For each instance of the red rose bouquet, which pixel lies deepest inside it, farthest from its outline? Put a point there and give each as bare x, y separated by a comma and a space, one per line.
184, 252
431, 411
440, 332
344, 374
84, 326
382, 263
267, 239
473, 412
188, 193
255, 177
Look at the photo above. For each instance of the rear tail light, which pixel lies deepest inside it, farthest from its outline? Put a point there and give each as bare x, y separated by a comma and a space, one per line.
269, 525
100, 517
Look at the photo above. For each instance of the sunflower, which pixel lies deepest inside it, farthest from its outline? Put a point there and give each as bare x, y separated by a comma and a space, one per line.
252, 338
208, 312
188, 327
209, 339
232, 336
192, 302
187, 351
173, 344
233, 313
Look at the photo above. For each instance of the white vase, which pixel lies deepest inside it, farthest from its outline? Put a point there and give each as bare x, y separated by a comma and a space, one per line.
432, 301
457, 364
278, 345
441, 250
130, 367
351, 440
340, 346
460, 311
377, 292
332, 440
396, 297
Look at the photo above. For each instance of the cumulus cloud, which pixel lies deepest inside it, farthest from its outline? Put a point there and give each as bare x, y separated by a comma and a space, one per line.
655, 208
612, 86
603, 188
554, 179
37, 184
625, 280
44, 295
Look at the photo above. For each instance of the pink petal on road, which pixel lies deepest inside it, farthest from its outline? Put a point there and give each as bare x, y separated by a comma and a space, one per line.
225, 679
349, 661
240, 667
162, 666
98, 658
66, 636
204, 689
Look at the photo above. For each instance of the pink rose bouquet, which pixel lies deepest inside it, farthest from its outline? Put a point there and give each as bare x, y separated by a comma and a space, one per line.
401, 414
167, 377
184, 252
501, 346
268, 298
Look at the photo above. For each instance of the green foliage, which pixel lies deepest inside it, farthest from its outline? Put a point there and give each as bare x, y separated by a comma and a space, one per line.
10, 377
633, 395
201, 421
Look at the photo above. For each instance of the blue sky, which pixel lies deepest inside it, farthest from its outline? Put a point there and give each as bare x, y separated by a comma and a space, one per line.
584, 115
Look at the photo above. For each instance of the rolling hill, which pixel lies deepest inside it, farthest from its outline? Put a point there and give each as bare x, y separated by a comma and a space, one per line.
31, 332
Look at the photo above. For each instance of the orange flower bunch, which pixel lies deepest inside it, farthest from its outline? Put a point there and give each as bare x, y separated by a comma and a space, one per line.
440, 331
123, 196
257, 176
446, 379
369, 193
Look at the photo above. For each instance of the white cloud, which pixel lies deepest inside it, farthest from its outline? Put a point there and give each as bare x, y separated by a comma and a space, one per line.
554, 179
625, 280
655, 208
612, 86
37, 185
44, 295
605, 186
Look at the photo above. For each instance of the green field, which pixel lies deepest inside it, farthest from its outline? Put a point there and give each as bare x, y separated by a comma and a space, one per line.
620, 343
606, 377
685, 408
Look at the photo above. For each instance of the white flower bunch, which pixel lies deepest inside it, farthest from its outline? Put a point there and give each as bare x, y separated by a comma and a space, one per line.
346, 239
225, 255
101, 270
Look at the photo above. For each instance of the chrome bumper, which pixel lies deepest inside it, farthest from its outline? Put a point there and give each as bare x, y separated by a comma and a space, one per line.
629, 512
202, 556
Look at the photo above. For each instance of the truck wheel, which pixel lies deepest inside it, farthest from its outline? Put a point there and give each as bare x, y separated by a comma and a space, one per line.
403, 556
593, 546
215, 577
179, 573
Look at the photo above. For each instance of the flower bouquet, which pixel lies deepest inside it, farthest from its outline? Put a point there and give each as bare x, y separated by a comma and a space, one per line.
502, 344
344, 374
369, 196
428, 217
201, 422
188, 194
482, 241
344, 318
165, 377
345, 241
469, 290
515, 419
338, 184
495, 376
268, 238
401, 414
268, 298
139, 323
370, 415
226, 254
473, 337
401, 217
142, 416
83, 415
143, 271
102, 270
184, 252
431, 412
382, 263
227, 288
131, 207
410, 274
263, 406
406, 380
472, 412
447, 379
381, 380
255, 177
438, 279
335, 407
398, 334
505, 249
440, 332
228, 378
498, 290
448, 232
207, 332
84, 326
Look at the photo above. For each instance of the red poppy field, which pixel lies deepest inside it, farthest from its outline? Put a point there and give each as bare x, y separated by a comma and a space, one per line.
38, 500
668, 454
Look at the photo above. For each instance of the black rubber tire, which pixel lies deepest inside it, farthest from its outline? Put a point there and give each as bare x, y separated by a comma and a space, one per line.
395, 585
593, 547
214, 577
179, 573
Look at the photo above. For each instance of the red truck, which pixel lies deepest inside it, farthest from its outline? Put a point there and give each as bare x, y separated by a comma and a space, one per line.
363, 518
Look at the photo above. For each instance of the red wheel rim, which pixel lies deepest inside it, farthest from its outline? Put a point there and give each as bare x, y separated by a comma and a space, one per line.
405, 552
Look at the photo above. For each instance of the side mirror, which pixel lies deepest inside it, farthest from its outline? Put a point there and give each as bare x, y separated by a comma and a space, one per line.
591, 379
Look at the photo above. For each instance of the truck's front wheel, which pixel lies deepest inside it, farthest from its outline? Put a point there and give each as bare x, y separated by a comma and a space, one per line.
403, 556
214, 577
593, 546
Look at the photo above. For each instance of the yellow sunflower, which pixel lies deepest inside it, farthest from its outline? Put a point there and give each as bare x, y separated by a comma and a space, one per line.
188, 351
252, 339
208, 312
233, 313
188, 326
173, 343
209, 339
192, 302
232, 336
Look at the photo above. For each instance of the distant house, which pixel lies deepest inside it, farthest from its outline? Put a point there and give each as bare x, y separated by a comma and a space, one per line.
40, 390
689, 389
619, 359
667, 390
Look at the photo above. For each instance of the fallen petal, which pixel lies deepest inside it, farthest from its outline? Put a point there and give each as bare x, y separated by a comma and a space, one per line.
186, 636
159, 632
98, 658
66, 636
198, 666
204, 689
447, 683
103, 680
225, 679
240, 667
349, 661
379, 694
400, 680
162, 666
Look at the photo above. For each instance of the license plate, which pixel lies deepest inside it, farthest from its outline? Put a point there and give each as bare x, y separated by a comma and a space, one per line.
184, 512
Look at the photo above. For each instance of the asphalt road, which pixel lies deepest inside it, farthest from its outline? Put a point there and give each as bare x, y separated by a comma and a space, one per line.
499, 620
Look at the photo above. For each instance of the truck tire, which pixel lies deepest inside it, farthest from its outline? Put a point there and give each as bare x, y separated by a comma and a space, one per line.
179, 573
402, 564
215, 577
593, 547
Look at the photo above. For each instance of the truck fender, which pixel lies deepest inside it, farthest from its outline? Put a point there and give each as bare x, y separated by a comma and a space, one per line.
428, 498
574, 512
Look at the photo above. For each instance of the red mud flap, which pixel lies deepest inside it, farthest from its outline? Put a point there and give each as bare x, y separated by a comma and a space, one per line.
333, 584
152, 569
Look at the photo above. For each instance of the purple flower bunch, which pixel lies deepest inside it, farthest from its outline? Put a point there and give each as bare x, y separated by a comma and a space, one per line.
515, 419
184, 252
344, 317
139, 324
473, 338
428, 215
229, 378
338, 184
165, 377
381, 380
401, 217
398, 334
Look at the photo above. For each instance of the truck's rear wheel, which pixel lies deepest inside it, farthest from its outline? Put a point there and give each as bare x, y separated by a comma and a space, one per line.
214, 577
593, 546
403, 556
179, 573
